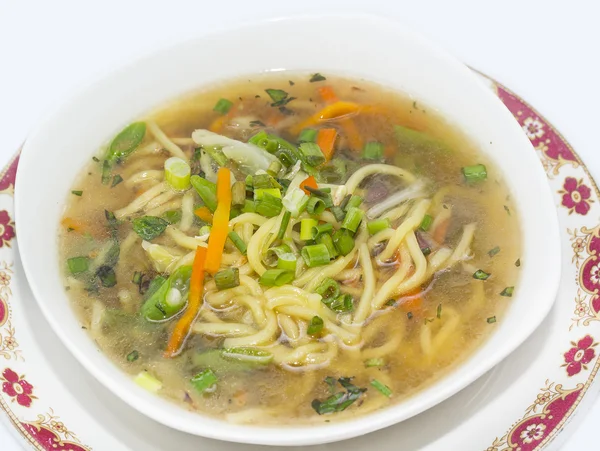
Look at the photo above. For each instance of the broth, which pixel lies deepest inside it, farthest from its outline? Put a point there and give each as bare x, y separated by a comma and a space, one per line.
418, 285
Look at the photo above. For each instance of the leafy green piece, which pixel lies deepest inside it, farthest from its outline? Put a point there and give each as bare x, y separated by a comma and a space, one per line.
382, 388
149, 227
204, 381
338, 401
481, 275
508, 292
172, 216
116, 180
107, 276
77, 192
158, 306
317, 77
133, 356
494, 251
279, 97
315, 326
126, 142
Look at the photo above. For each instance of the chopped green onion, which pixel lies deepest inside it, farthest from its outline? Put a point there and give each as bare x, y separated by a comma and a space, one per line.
321, 229
145, 380
312, 154
274, 168
216, 154
475, 173
96, 159
237, 242
343, 303
78, 265
177, 173
137, 278
133, 356
315, 255
206, 190
276, 277
285, 221
279, 97
107, 276
345, 201
329, 289
204, 381
491, 320
149, 227
262, 140
269, 205
276, 251
264, 181
116, 180
518, 262
308, 135
374, 362
223, 106
507, 209
494, 251
382, 388
426, 251
508, 292
295, 201
338, 213
373, 151
287, 262
249, 183
260, 192
205, 230
77, 193
249, 206
353, 202
326, 239
439, 311
227, 278
315, 205
106, 170
306, 228
316, 77
481, 275
238, 193
315, 326
426, 223
353, 218
250, 355
378, 225
343, 241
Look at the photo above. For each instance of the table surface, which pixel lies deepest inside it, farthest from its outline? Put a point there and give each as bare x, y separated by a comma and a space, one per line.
545, 50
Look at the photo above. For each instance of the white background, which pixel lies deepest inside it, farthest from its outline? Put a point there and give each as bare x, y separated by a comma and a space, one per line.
546, 51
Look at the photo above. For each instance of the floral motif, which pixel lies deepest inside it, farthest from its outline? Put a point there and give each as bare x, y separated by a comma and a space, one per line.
4, 278
533, 128
533, 432
576, 196
7, 179
579, 355
52, 434
578, 245
17, 388
7, 228
581, 309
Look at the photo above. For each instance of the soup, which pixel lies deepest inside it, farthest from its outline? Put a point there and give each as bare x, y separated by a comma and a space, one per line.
291, 248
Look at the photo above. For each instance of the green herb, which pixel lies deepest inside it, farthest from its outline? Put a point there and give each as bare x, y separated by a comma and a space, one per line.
133, 356
160, 304
508, 292
238, 242
321, 229
96, 159
285, 221
491, 320
330, 381
376, 362
257, 124
315, 326
439, 311
148, 382
316, 77
77, 265
116, 180
312, 154
426, 251
223, 106
149, 227
518, 262
475, 173
107, 276
206, 190
279, 97
373, 151
137, 278
390, 303
172, 216
315, 255
204, 381
106, 171
507, 210
481, 275
382, 388
227, 278
276, 277
409, 315
494, 251
77, 193
308, 135
291, 83
338, 401
268, 205
125, 143
426, 223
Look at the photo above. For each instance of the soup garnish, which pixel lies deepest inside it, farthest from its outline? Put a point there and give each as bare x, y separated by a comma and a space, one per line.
293, 248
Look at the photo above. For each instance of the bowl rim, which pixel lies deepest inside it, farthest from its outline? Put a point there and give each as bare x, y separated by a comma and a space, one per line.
153, 406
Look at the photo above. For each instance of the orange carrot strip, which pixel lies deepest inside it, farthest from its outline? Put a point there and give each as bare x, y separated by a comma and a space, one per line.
354, 139
311, 182
413, 301
70, 223
327, 94
439, 234
217, 125
204, 214
326, 141
333, 111
182, 327
220, 229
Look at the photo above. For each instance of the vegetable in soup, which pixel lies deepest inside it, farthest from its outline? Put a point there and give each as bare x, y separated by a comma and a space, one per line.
288, 249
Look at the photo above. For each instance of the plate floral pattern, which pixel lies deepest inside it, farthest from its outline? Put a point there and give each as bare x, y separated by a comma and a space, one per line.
544, 413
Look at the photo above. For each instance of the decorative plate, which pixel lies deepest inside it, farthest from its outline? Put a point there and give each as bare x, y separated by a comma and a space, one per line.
523, 404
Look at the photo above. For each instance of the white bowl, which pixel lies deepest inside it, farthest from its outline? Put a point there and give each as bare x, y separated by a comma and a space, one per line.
373, 48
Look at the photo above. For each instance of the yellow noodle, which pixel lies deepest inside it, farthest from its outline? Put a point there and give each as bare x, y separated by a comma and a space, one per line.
223, 329
289, 326
161, 199
411, 223
173, 204
390, 285
263, 336
368, 287
187, 211
173, 148
141, 201
418, 277
396, 213
252, 218
254, 304
256, 244
356, 178
147, 176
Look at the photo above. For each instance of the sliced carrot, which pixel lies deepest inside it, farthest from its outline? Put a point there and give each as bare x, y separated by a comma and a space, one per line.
413, 301
327, 94
220, 229
183, 325
354, 139
70, 223
311, 182
439, 234
335, 110
205, 214
326, 141
217, 125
